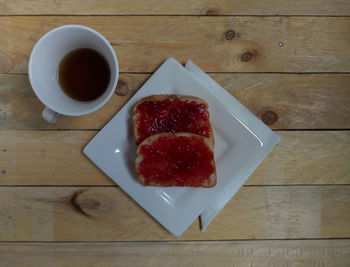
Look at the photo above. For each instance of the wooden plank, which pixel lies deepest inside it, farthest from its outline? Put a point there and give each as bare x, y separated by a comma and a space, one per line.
310, 44
21, 109
107, 214
297, 101
331, 253
183, 7
56, 158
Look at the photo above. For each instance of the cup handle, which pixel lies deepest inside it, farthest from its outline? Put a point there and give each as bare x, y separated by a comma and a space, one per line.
50, 116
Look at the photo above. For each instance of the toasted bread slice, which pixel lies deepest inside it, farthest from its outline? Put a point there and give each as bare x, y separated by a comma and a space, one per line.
171, 113
179, 159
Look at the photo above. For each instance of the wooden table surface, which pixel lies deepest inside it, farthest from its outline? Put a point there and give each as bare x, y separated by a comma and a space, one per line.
286, 61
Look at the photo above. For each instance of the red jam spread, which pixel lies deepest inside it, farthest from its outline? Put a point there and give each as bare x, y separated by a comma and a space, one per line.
176, 161
170, 116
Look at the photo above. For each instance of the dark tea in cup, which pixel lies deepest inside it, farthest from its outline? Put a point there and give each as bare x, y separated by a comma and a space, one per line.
84, 74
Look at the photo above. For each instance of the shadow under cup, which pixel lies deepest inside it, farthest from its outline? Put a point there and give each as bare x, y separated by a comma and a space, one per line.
44, 64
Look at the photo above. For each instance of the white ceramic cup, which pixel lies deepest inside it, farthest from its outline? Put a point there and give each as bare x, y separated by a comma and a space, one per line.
44, 63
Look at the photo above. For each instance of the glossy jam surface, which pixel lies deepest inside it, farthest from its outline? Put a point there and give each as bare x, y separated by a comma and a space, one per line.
170, 116
176, 161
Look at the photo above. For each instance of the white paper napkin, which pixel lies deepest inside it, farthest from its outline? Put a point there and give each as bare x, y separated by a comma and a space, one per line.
263, 132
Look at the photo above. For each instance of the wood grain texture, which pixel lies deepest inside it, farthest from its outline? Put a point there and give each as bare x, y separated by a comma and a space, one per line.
107, 214
56, 158
300, 253
21, 109
299, 101
310, 44
182, 7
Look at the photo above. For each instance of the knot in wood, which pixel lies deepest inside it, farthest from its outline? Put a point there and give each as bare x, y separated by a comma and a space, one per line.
230, 35
269, 117
212, 11
75, 203
122, 88
247, 56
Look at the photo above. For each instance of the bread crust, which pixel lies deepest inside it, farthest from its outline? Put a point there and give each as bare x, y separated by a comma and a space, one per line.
170, 97
212, 178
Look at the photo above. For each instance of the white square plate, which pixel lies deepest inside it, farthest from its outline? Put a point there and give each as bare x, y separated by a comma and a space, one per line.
113, 150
